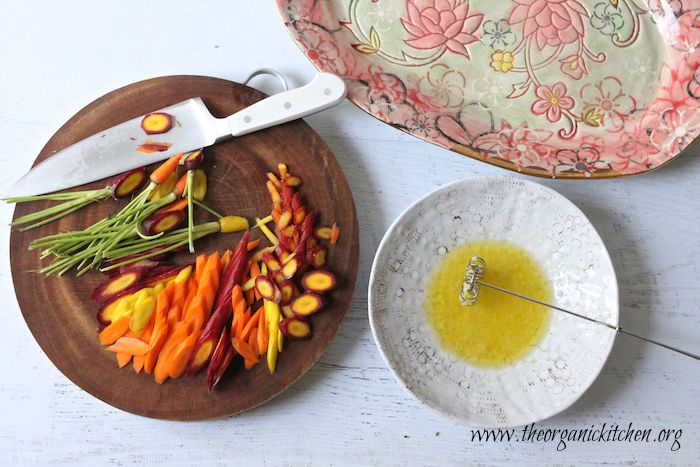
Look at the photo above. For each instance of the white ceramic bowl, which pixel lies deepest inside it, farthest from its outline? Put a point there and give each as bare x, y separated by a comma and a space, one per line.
557, 234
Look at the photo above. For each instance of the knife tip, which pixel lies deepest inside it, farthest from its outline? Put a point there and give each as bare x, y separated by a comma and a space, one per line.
18, 189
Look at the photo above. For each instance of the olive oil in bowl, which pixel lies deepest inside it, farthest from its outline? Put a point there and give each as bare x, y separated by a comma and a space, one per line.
498, 329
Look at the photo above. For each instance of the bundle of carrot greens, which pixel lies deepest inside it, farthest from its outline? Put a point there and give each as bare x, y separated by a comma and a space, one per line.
121, 186
146, 227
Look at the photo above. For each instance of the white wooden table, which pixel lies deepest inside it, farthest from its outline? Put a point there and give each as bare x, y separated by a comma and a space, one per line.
58, 56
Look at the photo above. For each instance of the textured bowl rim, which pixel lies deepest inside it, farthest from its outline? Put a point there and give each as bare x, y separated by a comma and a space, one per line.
383, 246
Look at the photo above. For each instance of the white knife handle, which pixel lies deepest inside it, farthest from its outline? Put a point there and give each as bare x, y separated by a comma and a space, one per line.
324, 91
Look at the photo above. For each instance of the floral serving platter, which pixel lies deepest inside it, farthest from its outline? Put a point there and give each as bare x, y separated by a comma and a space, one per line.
554, 88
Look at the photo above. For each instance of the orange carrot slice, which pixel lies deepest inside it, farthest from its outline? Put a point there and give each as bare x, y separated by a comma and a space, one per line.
130, 345
115, 330
180, 356
123, 359
245, 350
335, 233
225, 259
180, 332
166, 168
199, 307
177, 302
253, 341
191, 292
199, 267
146, 336
160, 335
174, 206
196, 312
250, 296
210, 281
163, 302
180, 186
138, 362
238, 318
249, 325
253, 244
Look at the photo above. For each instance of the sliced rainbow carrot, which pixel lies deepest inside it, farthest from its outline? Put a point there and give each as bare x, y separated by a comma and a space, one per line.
123, 359
130, 345
162, 173
180, 356
115, 330
179, 333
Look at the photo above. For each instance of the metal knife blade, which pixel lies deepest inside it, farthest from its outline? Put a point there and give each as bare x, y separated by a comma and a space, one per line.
115, 150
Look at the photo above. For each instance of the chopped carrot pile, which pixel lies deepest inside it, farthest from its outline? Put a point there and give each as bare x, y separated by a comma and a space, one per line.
241, 302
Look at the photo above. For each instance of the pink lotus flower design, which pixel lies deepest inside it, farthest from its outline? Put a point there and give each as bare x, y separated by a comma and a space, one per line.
550, 22
434, 23
551, 100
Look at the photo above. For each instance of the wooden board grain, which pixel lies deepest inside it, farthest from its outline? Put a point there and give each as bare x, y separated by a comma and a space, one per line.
61, 316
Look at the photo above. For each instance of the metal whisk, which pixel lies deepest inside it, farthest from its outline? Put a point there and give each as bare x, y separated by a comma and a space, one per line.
469, 293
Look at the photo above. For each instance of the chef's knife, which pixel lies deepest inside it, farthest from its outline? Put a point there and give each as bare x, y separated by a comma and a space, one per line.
115, 150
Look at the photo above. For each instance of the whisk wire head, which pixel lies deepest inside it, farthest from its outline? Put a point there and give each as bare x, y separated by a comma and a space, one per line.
470, 285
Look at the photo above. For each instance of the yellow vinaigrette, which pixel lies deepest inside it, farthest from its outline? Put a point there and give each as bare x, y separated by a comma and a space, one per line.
498, 329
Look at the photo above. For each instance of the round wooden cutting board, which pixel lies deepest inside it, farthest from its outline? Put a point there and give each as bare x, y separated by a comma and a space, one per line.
61, 316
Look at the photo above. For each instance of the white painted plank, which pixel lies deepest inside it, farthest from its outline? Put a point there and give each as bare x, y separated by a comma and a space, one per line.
59, 56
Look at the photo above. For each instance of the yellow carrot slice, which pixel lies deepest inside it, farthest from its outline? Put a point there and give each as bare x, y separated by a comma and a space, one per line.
268, 233
165, 188
248, 285
272, 313
280, 336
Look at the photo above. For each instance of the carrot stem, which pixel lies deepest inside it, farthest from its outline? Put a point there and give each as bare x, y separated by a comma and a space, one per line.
207, 208
60, 210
